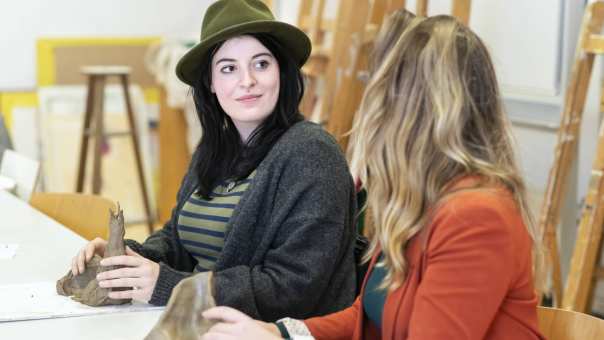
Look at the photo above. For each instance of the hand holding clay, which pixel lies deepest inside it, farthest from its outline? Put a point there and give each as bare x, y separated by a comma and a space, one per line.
83, 286
96, 246
232, 324
138, 273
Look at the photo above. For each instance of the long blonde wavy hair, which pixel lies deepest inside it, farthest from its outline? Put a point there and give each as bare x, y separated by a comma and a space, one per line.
431, 114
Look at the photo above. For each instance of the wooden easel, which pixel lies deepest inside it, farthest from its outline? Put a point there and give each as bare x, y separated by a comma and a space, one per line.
583, 261
311, 21
360, 32
590, 44
93, 127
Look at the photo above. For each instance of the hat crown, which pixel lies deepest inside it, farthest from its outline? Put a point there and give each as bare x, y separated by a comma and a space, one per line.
229, 18
228, 13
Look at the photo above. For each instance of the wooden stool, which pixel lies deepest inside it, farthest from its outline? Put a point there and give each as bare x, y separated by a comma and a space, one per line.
97, 76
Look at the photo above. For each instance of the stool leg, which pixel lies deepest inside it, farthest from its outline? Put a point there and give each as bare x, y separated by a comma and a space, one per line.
98, 134
139, 164
85, 134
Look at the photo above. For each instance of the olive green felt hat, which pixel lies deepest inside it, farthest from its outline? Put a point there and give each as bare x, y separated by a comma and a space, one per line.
225, 19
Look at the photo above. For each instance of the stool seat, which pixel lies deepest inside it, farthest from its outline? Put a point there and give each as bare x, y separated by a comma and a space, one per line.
106, 70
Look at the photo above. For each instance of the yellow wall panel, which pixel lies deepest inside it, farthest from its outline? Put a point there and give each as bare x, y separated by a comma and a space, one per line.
46, 59
10, 100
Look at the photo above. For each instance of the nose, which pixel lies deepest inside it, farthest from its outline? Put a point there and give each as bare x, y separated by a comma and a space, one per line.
247, 78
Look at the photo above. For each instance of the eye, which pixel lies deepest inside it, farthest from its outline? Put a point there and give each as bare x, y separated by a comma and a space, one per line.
227, 69
261, 64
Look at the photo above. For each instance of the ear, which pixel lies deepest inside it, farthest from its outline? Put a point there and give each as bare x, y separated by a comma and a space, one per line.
212, 89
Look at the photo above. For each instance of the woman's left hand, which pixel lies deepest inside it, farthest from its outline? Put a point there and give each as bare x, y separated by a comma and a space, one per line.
235, 325
138, 273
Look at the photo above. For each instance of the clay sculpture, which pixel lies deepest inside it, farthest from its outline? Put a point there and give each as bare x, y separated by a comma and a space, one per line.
84, 287
182, 319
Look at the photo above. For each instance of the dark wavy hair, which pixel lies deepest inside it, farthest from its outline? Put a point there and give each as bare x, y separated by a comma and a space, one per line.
222, 153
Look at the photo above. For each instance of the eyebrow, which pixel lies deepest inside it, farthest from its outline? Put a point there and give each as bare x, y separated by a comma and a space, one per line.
223, 60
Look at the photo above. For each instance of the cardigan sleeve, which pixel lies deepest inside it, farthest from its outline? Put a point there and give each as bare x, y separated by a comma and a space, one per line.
335, 326
311, 217
469, 268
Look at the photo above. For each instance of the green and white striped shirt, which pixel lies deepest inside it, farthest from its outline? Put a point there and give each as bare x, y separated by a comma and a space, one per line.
202, 223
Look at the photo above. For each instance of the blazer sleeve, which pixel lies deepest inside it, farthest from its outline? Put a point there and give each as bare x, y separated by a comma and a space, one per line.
335, 326
311, 217
469, 268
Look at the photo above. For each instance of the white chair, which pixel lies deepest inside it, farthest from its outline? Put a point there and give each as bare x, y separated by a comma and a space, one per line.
23, 170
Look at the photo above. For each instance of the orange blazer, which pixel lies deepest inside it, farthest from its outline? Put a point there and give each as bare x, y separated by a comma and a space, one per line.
469, 277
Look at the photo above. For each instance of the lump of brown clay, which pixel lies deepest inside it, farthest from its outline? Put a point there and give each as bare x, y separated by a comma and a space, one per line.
84, 287
182, 319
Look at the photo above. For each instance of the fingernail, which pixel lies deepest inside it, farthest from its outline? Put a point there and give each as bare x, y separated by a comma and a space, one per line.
103, 262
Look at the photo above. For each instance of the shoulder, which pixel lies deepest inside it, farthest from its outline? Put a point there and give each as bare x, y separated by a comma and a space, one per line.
307, 142
475, 203
306, 134
483, 216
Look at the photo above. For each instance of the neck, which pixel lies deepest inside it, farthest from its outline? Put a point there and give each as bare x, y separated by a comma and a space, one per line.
245, 129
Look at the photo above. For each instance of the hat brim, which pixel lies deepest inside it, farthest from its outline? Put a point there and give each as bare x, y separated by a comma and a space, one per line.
292, 38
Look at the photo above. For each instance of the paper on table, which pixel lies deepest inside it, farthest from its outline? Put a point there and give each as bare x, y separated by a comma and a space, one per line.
8, 251
41, 301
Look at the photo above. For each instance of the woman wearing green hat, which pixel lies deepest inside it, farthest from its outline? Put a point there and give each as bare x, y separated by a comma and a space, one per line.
264, 215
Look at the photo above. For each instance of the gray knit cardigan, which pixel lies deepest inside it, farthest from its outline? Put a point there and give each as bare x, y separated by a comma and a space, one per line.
289, 246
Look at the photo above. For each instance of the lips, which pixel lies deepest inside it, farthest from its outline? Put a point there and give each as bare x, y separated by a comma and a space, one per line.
248, 98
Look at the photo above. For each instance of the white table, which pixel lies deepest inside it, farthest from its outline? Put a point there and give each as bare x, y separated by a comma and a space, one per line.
44, 254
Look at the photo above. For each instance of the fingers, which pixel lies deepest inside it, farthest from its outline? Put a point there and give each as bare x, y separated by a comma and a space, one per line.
140, 273
122, 260
134, 294
217, 336
89, 251
241, 330
78, 263
96, 246
226, 314
120, 273
74, 265
226, 328
81, 261
122, 282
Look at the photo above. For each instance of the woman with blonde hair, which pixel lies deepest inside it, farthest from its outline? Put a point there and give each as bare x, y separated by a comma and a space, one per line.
455, 251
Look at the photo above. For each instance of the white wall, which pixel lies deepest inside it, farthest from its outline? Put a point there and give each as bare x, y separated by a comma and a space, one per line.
24, 21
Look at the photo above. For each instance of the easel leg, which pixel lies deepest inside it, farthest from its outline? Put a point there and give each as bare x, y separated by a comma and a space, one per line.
85, 135
98, 134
